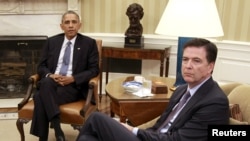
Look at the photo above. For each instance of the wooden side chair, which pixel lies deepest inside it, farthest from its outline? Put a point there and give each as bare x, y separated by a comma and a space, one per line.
74, 113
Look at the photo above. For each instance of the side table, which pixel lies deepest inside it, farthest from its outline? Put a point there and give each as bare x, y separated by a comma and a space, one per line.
136, 109
148, 52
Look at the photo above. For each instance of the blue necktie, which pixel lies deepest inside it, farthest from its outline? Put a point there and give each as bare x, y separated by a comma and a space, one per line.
66, 59
175, 110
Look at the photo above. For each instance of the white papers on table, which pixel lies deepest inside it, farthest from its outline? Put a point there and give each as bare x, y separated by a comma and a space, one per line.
143, 92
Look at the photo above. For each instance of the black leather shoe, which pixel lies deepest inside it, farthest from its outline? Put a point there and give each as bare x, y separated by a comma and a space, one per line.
60, 138
43, 139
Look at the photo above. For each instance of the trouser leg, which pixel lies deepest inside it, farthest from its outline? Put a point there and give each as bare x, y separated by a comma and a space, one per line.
105, 128
47, 101
48, 96
87, 138
40, 123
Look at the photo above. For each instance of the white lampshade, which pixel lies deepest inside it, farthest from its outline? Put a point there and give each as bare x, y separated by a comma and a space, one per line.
190, 18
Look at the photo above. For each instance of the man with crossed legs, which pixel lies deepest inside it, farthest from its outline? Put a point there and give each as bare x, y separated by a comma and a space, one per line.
206, 105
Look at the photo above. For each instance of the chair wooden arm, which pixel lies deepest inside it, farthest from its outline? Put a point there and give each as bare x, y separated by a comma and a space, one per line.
88, 101
92, 92
95, 82
31, 82
35, 78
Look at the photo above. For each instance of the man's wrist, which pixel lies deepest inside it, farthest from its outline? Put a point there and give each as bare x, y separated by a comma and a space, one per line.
135, 130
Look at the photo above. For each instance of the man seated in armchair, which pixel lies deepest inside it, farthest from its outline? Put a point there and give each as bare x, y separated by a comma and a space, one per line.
69, 60
192, 107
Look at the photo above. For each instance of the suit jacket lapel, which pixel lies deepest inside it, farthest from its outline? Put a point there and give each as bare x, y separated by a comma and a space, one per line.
178, 97
199, 95
58, 46
77, 48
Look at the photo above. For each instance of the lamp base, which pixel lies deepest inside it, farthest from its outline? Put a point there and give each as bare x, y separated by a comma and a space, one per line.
135, 42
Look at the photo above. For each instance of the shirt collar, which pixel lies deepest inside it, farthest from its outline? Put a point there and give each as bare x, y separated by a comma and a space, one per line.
194, 89
72, 40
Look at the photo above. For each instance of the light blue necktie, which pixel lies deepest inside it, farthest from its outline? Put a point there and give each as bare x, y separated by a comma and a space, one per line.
66, 59
175, 110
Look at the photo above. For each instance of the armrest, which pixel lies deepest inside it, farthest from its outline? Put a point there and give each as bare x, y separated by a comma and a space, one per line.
35, 78
236, 122
92, 93
95, 82
31, 82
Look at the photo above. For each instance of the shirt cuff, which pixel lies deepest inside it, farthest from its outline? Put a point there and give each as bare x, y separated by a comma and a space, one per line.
135, 130
47, 75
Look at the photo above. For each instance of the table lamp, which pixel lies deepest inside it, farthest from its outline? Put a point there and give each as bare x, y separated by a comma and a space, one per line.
187, 19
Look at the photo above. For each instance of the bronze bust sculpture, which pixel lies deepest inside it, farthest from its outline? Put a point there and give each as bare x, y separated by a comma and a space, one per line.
133, 34
135, 14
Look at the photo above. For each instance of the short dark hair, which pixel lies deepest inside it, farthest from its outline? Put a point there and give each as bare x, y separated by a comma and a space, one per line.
70, 12
211, 48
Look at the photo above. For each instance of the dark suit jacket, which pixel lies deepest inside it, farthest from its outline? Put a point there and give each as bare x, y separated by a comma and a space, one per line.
85, 59
208, 106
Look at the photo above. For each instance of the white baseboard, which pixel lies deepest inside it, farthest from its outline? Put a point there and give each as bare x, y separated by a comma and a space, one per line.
8, 116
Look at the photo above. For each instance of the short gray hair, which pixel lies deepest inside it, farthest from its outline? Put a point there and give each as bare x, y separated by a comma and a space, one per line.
70, 12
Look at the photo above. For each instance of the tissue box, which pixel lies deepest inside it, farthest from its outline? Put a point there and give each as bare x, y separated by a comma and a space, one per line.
159, 88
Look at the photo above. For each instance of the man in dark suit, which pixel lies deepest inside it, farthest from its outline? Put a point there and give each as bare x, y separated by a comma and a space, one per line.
64, 76
205, 105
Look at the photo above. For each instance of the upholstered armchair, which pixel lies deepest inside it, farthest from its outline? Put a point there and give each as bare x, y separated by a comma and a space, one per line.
227, 88
241, 95
74, 113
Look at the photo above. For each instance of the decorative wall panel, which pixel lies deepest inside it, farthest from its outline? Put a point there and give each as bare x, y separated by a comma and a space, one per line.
32, 6
33, 17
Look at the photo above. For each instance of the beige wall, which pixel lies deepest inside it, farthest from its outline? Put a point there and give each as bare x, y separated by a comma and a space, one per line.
235, 17
108, 16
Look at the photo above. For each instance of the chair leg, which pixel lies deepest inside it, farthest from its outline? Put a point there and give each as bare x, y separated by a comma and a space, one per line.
19, 124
